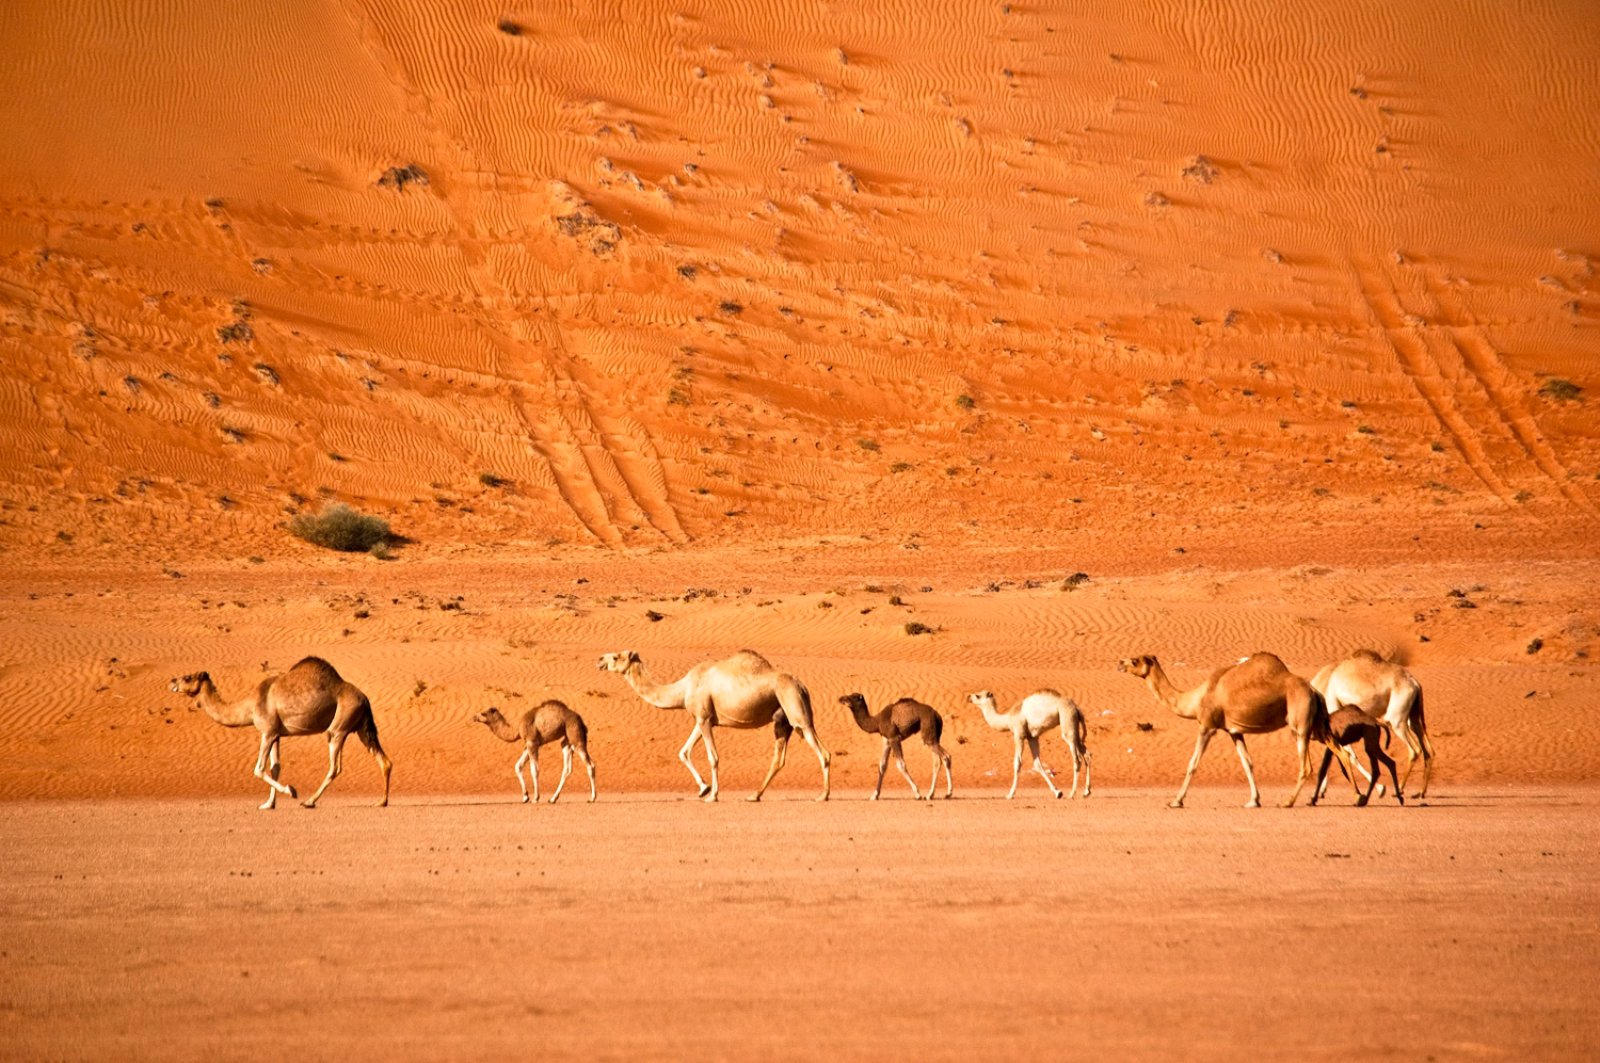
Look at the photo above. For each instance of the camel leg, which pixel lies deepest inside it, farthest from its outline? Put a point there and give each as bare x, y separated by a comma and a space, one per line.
780, 755
1322, 778
1088, 768
269, 749
949, 784
1414, 750
1076, 757
686, 755
1016, 765
589, 766
1383, 759
883, 766
1039, 766
566, 770
1194, 762
824, 758
272, 769
517, 768
939, 757
711, 755
369, 738
335, 765
1302, 743
900, 762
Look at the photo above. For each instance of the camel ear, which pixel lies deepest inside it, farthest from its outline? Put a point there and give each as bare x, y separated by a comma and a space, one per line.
632, 657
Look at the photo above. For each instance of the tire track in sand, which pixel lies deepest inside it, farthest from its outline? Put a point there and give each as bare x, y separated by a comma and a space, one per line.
1420, 368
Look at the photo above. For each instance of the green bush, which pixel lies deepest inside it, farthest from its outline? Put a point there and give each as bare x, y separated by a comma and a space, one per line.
339, 527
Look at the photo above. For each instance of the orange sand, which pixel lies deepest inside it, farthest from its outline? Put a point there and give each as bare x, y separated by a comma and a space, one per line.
1260, 317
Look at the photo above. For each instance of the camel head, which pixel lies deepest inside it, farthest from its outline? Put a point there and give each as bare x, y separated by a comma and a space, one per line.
189, 685
618, 662
1138, 667
489, 716
854, 702
983, 699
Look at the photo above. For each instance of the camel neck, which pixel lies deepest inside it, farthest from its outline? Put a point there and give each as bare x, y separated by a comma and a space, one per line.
503, 730
994, 718
227, 715
1169, 695
864, 719
659, 696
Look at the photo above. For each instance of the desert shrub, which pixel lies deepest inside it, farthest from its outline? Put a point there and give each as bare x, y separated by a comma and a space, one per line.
1560, 390
867, 444
917, 627
966, 402
901, 466
509, 28
489, 479
339, 527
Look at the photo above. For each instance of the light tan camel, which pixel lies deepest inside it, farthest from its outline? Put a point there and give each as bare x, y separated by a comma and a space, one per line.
1257, 695
896, 723
744, 691
1346, 728
1387, 691
309, 698
1032, 717
549, 721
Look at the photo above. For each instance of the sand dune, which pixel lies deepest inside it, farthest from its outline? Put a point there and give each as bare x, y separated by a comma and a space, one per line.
721, 273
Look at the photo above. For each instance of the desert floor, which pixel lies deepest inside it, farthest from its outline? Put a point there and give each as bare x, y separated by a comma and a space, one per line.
649, 926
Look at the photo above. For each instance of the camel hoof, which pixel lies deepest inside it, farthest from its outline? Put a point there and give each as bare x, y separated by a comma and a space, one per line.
384, 803
552, 800
293, 793
1059, 795
1174, 804
524, 798
267, 806
704, 789
822, 799
710, 799
872, 797
308, 804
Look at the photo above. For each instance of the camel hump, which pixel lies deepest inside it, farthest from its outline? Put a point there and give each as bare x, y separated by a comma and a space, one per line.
747, 662
314, 668
1364, 654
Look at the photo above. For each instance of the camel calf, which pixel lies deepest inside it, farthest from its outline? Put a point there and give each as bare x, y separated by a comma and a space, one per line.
1345, 728
550, 721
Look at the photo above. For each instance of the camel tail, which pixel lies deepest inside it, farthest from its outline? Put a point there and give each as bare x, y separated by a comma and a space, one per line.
1320, 730
580, 733
368, 731
1419, 724
1083, 734
935, 729
1073, 728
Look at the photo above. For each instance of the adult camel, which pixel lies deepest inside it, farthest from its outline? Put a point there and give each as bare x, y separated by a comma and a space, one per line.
1387, 691
743, 691
310, 698
1257, 695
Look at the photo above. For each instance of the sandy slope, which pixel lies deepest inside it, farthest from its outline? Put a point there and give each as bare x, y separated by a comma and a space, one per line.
723, 272
974, 929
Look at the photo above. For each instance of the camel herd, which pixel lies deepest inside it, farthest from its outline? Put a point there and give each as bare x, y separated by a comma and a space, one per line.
1358, 701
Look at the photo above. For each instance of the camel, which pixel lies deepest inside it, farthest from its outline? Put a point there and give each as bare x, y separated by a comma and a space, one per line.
1387, 691
310, 698
743, 691
1345, 728
549, 721
895, 724
1254, 696
1032, 717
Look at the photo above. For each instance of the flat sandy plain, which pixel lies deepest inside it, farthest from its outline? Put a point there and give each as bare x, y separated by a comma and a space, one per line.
649, 927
